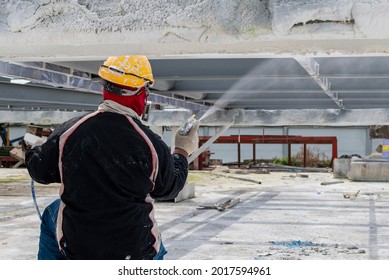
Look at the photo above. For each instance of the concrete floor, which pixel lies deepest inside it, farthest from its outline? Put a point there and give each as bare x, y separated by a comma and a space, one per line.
284, 217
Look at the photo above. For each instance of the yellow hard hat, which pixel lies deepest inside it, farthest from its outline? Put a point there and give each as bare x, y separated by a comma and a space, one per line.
130, 70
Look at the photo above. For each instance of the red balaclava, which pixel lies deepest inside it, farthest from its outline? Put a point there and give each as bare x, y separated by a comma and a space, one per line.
135, 102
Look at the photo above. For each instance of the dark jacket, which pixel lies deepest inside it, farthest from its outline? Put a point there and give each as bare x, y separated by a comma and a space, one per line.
110, 166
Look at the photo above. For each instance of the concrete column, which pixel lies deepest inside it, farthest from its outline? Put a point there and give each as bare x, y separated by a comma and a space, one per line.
369, 142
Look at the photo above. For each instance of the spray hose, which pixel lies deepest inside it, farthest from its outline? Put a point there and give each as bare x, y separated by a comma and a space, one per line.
34, 199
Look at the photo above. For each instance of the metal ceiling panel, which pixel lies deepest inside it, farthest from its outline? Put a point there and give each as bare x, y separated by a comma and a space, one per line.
268, 83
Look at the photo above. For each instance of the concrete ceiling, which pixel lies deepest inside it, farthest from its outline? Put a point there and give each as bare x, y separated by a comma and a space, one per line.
281, 55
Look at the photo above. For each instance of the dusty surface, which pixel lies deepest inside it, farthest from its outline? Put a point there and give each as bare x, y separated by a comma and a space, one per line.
284, 217
86, 28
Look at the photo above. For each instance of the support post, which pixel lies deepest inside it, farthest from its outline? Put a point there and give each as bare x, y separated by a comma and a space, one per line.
289, 154
239, 154
254, 154
334, 152
238, 148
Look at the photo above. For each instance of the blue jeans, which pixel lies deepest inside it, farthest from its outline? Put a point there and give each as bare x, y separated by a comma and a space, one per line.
48, 245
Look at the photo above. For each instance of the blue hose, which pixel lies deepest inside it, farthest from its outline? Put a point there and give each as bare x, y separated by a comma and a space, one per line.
34, 199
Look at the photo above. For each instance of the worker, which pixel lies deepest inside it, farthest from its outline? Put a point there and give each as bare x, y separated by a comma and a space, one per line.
111, 167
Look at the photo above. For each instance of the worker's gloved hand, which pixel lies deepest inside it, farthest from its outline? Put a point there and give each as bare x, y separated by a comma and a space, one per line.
189, 142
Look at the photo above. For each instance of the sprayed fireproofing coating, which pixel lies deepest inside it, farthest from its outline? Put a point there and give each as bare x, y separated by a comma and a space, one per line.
178, 27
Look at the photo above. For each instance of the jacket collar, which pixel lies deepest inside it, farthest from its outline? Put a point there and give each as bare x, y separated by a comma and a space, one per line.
114, 107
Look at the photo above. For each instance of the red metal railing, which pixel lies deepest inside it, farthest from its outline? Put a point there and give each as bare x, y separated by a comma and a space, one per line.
271, 139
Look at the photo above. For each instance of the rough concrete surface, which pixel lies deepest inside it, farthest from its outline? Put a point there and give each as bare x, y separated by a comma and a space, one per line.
59, 28
287, 216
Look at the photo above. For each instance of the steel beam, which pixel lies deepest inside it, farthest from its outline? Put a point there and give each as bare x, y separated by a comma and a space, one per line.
178, 103
25, 97
244, 118
50, 74
312, 68
37, 117
78, 83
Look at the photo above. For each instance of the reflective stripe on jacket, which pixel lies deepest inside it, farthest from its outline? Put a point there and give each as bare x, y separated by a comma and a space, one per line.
110, 166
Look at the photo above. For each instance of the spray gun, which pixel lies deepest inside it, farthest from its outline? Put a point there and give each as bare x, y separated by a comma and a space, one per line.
188, 125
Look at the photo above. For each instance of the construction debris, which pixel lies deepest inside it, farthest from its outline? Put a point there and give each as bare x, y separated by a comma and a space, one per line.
297, 250
371, 170
221, 204
299, 175
331, 183
351, 195
262, 171
288, 168
34, 134
239, 178
200, 231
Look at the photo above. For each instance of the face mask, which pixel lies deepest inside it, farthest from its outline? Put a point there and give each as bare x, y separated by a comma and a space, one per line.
136, 102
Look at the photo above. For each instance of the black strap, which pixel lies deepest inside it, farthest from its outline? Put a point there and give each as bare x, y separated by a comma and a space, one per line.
112, 88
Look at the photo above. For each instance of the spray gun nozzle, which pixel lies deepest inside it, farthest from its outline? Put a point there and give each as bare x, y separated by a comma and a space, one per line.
188, 125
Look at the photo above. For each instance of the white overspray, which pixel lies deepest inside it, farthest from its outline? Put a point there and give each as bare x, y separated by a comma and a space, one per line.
245, 88
247, 83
